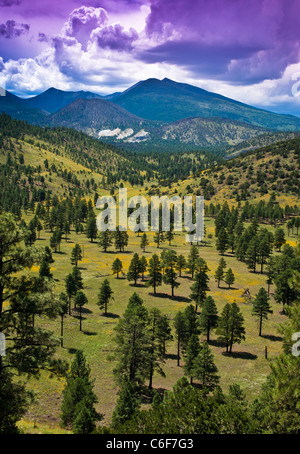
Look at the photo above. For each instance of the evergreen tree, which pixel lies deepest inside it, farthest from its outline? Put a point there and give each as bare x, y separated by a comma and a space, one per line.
192, 260
44, 270
76, 255
170, 275
199, 288
105, 295
91, 227
158, 238
64, 306
78, 394
219, 275
204, 368
134, 269
143, 266
208, 319
229, 277
105, 240
237, 330
180, 264
154, 271
279, 239
80, 300
117, 267
144, 242
181, 333
192, 351
222, 241
261, 307
132, 343
127, 404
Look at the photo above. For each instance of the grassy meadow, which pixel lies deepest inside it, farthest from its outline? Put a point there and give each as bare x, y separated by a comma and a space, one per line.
247, 365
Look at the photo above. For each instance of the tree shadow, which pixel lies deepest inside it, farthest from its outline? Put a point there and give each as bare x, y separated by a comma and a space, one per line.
241, 355
272, 338
84, 310
217, 343
89, 333
111, 315
137, 285
171, 356
72, 350
174, 298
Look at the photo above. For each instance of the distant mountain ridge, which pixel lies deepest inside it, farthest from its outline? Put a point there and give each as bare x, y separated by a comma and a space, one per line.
158, 114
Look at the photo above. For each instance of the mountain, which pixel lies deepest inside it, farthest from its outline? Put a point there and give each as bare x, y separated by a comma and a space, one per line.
110, 122
53, 100
155, 115
169, 101
100, 118
16, 108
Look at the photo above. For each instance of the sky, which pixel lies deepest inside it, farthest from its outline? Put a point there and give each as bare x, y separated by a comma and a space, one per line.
248, 50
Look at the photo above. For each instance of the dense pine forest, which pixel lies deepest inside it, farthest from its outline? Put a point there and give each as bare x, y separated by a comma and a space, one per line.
142, 332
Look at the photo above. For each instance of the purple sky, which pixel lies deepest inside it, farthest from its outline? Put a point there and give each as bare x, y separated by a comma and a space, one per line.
245, 49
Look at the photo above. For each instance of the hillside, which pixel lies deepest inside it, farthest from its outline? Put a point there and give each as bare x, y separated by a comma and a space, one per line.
169, 101
53, 99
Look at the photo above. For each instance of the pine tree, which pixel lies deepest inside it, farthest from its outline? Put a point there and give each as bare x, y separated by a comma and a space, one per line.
156, 355
80, 300
223, 328
219, 275
134, 269
192, 351
261, 307
76, 255
127, 404
143, 266
192, 323
229, 277
170, 275
199, 288
192, 260
222, 241
181, 333
181, 264
121, 239
64, 306
91, 227
208, 319
237, 330
105, 295
71, 288
279, 239
132, 343
158, 238
154, 271
117, 267
78, 394
44, 270
204, 368
105, 240
144, 242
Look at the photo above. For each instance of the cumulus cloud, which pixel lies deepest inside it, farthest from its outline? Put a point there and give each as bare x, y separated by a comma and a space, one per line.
11, 29
116, 38
82, 21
